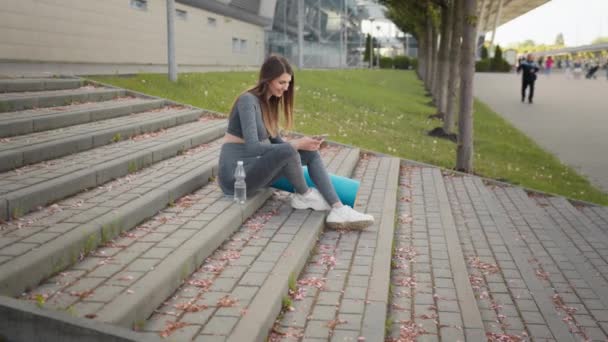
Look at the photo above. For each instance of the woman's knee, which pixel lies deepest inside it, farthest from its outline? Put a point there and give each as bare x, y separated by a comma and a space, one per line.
308, 157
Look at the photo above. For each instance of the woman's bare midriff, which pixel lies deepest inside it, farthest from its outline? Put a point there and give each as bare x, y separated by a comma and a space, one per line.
229, 138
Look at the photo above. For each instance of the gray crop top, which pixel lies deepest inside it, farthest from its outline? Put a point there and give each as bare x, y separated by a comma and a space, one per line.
246, 122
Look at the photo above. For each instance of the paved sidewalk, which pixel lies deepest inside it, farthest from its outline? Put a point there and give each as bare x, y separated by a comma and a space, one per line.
92, 134
574, 290
568, 118
25, 188
99, 285
342, 292
432, 299
49, 239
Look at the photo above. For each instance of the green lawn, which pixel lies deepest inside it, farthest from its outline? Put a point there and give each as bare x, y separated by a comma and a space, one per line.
385, 111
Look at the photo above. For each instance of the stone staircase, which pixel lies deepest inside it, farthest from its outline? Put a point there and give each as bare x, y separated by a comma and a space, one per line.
114, 229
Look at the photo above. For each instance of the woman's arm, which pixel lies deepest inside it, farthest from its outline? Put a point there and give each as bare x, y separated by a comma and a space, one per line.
247, 116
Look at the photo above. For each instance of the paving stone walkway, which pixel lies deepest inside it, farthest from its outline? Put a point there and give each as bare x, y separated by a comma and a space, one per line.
342, 293
548, 274
25, 188
430, 299
14, 101
33, 174
89, 129
54, 237
597, 215
76, 107
99, 286
43, 93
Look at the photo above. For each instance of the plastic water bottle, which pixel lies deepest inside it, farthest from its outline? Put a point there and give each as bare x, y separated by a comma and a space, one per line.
240, 188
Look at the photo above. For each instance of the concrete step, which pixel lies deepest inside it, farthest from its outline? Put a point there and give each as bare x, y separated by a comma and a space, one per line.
342, 292
254, 267
38, 84
503, 282
174, 243
47, 241
432, 298
41, 146
24, 189
585, 248
597, 215
577, 221
559, 291
26, 321
14, 101
43, 119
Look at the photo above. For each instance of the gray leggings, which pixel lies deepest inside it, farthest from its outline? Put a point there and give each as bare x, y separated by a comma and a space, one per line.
280, 161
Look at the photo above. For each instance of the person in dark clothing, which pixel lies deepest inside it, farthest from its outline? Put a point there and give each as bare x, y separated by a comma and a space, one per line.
529, 68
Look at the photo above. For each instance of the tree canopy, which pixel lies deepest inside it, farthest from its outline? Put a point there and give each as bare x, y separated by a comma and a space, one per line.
600, 40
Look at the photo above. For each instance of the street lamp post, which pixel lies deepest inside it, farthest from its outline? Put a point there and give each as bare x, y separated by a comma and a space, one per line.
300, 7
371, 43
378, 55
171, 41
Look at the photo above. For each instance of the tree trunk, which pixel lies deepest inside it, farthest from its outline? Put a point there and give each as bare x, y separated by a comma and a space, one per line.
464, 153
422, 56
454, 54
429, 53
444, 62
434, 61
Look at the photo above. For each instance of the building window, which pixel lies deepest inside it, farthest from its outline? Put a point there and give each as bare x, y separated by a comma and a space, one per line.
211, 22
183, 15
239, 45
236, 46
141, 5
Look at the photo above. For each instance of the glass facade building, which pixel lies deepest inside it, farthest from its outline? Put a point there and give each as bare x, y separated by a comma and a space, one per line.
331, 32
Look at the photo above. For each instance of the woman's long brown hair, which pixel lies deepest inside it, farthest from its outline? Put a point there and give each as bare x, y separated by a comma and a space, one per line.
273, 67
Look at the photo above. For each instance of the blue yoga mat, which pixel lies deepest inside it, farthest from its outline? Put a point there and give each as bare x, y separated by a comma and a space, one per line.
346, 188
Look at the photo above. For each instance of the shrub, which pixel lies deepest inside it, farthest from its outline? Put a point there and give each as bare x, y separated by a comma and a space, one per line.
386, 63
504, 66
401, 62
414, 63
494, 64
482, 65
484, 52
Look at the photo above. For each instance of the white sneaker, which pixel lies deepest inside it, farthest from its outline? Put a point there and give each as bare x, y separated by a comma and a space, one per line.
313, 200
346, 217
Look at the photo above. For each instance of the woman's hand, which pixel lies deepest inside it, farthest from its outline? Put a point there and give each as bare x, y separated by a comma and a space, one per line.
306, 144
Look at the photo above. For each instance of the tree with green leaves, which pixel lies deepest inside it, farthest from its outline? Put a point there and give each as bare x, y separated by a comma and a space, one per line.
417, 17
367, 53
484, 52
600, 40
421, 18
496, 62
559, 40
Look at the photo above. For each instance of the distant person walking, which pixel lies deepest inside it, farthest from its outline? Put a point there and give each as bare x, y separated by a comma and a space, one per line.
548, 65
530, 69
577, 69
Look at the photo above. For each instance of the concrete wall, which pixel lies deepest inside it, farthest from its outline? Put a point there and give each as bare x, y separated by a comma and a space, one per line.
110, 31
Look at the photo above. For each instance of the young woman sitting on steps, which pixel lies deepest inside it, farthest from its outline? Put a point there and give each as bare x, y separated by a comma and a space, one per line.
253, 137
